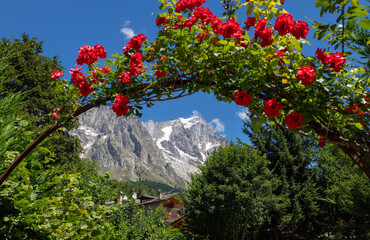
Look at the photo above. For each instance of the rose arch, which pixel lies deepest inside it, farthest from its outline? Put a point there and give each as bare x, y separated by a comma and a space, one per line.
257, 62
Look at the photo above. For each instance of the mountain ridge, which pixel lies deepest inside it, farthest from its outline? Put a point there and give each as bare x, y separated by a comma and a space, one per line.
166, 152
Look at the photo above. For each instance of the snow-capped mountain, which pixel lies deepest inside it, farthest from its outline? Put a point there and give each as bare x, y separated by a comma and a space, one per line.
165, 152
185, 143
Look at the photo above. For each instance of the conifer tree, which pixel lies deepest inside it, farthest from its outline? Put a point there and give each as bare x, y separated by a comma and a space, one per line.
290, 159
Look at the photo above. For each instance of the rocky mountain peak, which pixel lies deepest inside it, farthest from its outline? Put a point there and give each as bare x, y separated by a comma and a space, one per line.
166, 152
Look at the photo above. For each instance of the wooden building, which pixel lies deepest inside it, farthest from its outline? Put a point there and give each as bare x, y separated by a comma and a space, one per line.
172, 206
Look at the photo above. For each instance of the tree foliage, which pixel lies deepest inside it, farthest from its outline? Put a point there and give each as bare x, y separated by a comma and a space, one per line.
291, 162
53, 194
227, 199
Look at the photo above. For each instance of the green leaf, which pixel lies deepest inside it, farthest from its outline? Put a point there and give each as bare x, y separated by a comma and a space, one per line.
364, 23
355, 3
249, 9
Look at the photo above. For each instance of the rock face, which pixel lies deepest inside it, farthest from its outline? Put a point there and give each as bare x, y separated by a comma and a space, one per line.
185, 143
164, 152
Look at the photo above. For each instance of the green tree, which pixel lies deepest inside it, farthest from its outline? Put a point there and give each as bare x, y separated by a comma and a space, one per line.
28, 70
344, 196
228, 198
41, 201
291, 162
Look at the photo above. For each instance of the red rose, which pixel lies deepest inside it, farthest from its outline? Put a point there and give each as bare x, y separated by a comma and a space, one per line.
272, 107
85, 89
56, 74
160, 73
136, 64
230, 28
300, 29
261, 24
204, 15
190, 22
320, 54
104, 69
96, 76
351, 108
284, 23
100, 51
182, 5
120, 105
124, 77
135, 43
322, 144
55, 113
367, 97
77, 77
242, 98
217, 25
294, 120
266, 36
201, 36
281, 56
86, 54
161, 20
250, 22
306, 74
336, 61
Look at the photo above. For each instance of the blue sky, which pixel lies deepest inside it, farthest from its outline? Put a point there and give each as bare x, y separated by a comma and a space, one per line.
66, 25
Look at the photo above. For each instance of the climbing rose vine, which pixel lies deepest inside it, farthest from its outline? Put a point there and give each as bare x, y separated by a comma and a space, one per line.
254, 60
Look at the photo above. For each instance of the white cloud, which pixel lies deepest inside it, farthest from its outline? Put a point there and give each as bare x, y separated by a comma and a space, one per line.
243, 114
128, 32
127, 22
195, 113
218, 125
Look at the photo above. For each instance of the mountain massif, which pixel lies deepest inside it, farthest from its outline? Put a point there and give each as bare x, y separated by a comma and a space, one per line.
165, 152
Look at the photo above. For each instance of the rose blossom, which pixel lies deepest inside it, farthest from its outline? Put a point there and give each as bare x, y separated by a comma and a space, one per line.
85, 89
120, 105
230, 28
86, 54
124, 77
160, 73
77, 77
136, 64
204, 15
261, 24
336, 61
266, 36
105, 69
272, 107
56, 74
182, 5
354, 107
300, 29
55, 114
161, 20
135, 43
250, 22
284, 23
306, 74
100, 51
242, 98
322, 144
294, 120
